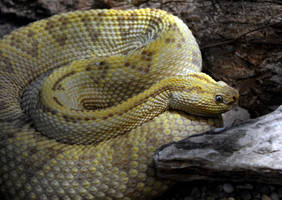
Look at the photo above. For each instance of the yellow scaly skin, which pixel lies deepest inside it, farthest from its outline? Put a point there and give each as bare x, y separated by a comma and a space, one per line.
85, 101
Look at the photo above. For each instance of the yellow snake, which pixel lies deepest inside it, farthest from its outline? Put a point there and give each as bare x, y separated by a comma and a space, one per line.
87, 97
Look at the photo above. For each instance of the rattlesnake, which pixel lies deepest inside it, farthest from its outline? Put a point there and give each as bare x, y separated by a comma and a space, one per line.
88, 96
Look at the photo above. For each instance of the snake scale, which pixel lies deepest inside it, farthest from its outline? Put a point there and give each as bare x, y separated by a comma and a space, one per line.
86, 98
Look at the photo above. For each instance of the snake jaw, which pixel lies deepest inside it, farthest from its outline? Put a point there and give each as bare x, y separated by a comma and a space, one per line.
235, 99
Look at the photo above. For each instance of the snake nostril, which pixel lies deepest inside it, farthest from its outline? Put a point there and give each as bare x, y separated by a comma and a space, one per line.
234, 99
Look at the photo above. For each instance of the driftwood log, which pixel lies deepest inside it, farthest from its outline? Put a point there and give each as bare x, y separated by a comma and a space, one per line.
249, 152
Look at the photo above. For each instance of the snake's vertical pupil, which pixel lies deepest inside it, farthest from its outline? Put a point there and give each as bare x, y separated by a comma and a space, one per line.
219, 98
234, 98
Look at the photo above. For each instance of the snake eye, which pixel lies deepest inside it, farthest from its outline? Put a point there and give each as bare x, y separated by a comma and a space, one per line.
218, 98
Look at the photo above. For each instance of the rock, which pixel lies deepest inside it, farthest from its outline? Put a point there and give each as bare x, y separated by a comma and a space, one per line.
246, 186
196, 193
256, 195
246, 195
265, 197
228, 188
280, 192
248, 152
265, 189
213, 190
235, 117
188, 198
274, 196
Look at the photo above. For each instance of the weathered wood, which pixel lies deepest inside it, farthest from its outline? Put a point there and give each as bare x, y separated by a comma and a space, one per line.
249, 152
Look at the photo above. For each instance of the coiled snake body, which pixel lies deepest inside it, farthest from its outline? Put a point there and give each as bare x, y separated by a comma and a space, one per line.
87, 97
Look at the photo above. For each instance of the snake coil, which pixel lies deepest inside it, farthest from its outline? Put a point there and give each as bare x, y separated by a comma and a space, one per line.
86, 97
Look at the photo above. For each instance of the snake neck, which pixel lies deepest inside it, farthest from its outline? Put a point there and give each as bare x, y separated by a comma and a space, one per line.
94, 126
194, 93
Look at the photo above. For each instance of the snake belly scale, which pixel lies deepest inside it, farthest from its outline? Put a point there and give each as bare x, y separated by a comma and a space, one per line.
87, 97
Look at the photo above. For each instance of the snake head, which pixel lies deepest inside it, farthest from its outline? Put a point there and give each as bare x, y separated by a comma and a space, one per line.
203, 96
